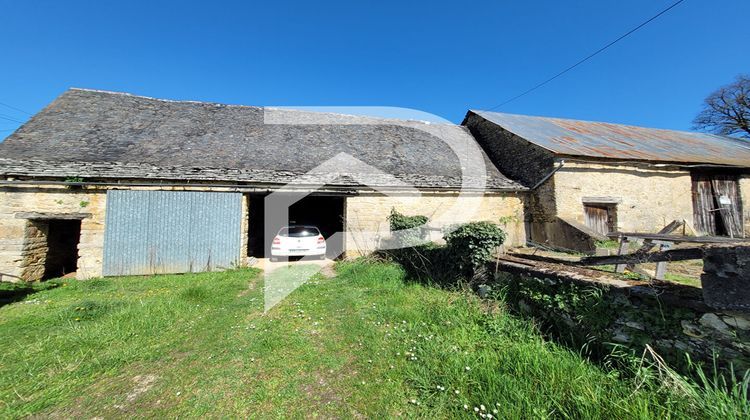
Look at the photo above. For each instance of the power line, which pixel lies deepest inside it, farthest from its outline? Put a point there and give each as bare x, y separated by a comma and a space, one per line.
590, 56
14, 108
9, 118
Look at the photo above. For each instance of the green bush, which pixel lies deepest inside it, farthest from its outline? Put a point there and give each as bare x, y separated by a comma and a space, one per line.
472, 244
469, 246
400, 222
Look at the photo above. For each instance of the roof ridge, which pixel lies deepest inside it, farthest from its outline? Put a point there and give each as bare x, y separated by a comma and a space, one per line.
695, 133
183, 101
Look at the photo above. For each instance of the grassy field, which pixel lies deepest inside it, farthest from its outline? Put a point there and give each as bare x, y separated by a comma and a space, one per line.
364, 343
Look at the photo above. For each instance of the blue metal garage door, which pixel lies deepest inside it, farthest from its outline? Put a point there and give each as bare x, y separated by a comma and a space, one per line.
149, 232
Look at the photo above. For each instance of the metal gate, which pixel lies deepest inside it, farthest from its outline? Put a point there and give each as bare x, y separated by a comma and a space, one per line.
150, 232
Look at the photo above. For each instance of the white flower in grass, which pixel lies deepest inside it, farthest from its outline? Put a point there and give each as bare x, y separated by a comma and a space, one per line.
476, 409
467, 368
482, 407
456, 392
466, 406
494, 411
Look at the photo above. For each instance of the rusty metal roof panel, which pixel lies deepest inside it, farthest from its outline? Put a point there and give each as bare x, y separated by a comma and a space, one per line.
615, 141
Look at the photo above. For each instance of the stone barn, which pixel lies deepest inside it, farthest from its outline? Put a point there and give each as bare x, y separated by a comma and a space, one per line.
101, 183
588, 179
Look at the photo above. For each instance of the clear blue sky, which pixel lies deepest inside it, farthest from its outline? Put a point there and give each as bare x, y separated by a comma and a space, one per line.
439, 57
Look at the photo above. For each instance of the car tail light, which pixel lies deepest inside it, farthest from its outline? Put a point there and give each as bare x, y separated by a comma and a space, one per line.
277, 241
321, 239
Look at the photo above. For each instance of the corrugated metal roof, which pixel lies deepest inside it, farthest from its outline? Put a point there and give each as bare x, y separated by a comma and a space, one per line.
615, 141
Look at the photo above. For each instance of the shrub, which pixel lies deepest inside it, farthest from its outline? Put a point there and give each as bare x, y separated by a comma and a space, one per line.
469, 247
472, 244
399, 222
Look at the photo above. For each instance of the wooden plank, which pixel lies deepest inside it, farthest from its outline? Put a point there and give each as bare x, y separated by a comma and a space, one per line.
58, 216
621, 250
679, 238
678, 254
661, 266
648, 244
544, 258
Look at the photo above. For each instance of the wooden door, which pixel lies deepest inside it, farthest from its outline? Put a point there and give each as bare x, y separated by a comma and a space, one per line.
704, 218
598, 218
729, 206
717, 205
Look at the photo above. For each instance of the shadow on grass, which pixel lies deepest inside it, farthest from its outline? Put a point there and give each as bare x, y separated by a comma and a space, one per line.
14, 292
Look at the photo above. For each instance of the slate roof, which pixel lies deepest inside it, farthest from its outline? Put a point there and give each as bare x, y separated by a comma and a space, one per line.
623, 142
107, 135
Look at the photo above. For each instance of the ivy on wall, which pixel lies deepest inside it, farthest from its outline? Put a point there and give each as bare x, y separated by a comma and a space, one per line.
468, 247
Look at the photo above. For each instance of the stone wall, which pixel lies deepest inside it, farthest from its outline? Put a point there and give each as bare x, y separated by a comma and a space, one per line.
34, 250
19, 237
369, 212
599, 314
726, 277
650, 198
516, 157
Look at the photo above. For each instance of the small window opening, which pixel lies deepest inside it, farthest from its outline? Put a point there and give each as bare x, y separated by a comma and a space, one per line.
601, 218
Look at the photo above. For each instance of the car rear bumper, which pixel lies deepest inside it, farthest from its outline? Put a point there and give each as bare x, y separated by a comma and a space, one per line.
298, 253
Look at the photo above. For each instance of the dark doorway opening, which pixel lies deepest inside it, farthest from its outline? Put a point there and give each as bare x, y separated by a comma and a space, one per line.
717, 205
50, 248
256, 243
322, 211
62, 248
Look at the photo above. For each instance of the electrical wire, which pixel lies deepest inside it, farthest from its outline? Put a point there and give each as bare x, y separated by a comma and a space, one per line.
588, 57
14, 108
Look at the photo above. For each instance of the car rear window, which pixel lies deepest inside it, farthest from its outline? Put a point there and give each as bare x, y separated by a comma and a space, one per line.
299, 231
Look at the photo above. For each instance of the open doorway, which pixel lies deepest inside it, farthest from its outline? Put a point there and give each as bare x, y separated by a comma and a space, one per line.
326, 212
717, 205
51, 248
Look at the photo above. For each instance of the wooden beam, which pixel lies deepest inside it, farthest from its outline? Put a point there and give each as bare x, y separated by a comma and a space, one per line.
52, 216
545, 258
661, 266
620, 268
648, 244
680, 238
678, 254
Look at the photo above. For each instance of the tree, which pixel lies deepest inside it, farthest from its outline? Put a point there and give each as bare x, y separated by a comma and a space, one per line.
727, 111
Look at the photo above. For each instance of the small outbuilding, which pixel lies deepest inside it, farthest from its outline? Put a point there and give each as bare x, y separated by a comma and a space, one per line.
588, 179
102, 183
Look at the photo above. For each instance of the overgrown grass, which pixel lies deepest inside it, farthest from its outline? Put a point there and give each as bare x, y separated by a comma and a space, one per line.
365, 343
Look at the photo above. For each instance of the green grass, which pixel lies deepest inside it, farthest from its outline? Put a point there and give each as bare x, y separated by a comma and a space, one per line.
681, 278
365, 343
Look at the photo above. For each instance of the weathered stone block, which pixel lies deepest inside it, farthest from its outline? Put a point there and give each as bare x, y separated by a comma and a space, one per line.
726, 278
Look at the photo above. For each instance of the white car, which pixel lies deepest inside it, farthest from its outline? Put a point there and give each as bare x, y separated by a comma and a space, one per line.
298, 241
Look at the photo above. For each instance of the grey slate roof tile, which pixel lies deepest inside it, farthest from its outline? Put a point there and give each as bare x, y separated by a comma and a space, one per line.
106, 135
